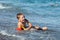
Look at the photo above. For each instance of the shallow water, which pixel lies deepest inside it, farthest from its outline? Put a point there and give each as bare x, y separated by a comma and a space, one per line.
38, 12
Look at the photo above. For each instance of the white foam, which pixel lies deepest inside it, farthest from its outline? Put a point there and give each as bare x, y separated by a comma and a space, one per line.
3, 7
3, 32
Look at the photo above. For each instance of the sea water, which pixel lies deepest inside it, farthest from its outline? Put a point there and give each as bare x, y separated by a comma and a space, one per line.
38, 12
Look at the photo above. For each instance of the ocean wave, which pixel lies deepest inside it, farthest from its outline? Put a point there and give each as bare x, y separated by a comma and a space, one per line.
18, 35
4, 7
28, 35
8, 36
37, 1
32, 5
3, 32
37, 5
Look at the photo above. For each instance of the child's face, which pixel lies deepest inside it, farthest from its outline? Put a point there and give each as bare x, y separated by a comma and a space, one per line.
22, 18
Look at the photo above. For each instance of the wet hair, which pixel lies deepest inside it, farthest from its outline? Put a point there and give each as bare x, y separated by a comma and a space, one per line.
19, 14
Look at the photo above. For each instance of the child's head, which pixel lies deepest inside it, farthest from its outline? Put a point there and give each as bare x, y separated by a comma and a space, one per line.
21, 17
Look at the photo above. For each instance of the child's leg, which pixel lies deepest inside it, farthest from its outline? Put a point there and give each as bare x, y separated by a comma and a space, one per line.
38, 28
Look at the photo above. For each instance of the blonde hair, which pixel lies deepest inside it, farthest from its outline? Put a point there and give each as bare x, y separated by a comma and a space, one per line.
19, 14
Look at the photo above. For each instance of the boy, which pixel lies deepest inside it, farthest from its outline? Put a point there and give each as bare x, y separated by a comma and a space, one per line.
22, 21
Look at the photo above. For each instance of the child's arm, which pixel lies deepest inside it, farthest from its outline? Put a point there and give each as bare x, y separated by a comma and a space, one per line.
30, 25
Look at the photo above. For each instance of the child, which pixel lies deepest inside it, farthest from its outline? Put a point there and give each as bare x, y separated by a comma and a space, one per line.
22, 21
